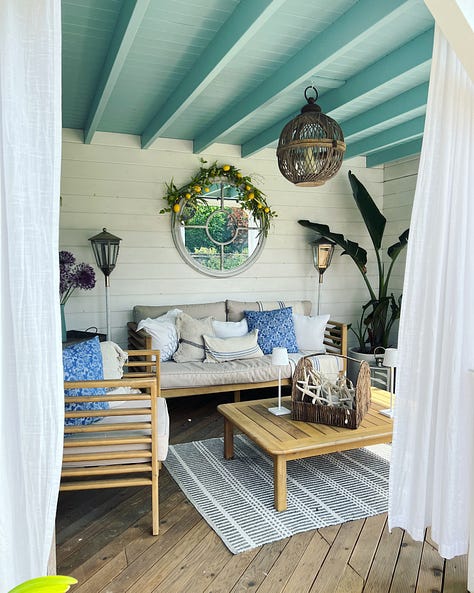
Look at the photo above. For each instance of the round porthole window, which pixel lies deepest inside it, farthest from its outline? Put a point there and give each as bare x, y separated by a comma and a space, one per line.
215, 235
220, 220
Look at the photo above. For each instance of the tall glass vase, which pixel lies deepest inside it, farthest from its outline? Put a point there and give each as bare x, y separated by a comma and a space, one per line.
63, 323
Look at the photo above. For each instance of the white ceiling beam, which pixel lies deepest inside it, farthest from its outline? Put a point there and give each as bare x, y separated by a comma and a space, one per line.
355, 25
243, 24
456, 21
129, 21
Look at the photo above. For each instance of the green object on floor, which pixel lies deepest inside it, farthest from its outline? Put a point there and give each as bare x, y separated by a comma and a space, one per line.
50, 584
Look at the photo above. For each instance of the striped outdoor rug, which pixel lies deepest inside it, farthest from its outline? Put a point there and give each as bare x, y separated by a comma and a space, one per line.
236, 496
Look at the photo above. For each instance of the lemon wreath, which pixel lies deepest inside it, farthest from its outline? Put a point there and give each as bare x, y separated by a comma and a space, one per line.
250, 198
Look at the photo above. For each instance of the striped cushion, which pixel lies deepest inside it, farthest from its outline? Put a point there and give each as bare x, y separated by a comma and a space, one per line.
224, 349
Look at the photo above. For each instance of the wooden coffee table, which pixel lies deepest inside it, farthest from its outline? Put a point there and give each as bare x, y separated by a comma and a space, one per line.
285, 439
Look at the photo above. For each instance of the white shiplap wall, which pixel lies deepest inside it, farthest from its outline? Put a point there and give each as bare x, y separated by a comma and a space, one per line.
399, 190
113, 183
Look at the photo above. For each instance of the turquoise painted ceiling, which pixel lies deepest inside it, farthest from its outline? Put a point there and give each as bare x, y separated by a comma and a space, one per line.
235, 71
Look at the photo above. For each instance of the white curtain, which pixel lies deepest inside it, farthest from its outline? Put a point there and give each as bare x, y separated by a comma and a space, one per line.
433, 434
31, 414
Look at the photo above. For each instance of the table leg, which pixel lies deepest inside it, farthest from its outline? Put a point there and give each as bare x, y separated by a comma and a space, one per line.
279, 482
228, 439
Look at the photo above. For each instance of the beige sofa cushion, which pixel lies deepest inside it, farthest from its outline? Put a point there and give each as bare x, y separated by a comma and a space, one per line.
216, 310
190, 336
235, 309
204, 374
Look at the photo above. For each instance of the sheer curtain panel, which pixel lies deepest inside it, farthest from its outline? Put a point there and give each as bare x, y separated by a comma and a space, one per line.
31, 408
433, 434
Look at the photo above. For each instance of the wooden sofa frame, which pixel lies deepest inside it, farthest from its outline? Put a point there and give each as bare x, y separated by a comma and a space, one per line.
335, 341
108, 467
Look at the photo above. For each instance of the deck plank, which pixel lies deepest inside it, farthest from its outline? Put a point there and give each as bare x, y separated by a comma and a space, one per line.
232, 572
455, 572
406, 571
308, 565
151, 568
351, 581
380, 576
284, 567
109, 571
260, 566
430, 578
331, 571
366, 546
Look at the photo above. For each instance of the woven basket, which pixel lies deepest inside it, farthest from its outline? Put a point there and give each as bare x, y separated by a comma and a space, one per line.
334, 416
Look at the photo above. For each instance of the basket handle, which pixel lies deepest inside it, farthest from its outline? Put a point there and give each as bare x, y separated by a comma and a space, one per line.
335, 354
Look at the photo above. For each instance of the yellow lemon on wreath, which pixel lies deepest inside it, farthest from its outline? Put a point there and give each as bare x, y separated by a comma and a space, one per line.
197, 189
248, 188
226, 167
188, 196
259, 205
251, 196
176, 208
238, 175
267, 209
206, 189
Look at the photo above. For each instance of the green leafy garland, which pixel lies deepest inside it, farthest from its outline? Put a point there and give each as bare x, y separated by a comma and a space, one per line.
249, 197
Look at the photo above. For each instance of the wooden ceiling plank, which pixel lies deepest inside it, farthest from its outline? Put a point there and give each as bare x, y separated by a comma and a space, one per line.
399, 105
348, 30
408, 57
129, 21
394, 153
243, 24
409, 130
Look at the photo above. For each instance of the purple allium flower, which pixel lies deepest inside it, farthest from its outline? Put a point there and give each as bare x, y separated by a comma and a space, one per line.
66, 258
72, 276
84, 277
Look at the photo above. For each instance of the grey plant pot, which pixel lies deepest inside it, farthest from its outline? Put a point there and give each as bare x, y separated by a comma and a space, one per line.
380, 375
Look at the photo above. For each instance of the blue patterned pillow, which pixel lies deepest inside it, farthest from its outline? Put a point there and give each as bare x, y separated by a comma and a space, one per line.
275, 329
83, 362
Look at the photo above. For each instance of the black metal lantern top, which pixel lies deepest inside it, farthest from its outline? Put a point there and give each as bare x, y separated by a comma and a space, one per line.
323, 250
106, 248
311, 146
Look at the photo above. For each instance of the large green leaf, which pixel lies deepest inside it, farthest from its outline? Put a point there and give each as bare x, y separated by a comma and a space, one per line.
358, 253
395, 249
374, 220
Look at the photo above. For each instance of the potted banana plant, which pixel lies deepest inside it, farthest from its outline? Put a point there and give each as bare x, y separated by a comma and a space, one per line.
382, 309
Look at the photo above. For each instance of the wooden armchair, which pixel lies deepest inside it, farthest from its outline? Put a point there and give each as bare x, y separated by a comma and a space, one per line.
123, 448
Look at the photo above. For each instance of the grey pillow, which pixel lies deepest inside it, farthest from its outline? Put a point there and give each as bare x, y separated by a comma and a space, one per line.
190, 332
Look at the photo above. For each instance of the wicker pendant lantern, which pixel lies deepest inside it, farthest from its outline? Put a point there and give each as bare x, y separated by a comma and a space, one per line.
311, 146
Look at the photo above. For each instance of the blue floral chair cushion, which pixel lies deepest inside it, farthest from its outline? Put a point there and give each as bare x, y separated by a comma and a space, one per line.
275, 329
83, 362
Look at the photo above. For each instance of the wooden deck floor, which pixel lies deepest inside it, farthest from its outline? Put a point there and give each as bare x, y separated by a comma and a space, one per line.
104, 540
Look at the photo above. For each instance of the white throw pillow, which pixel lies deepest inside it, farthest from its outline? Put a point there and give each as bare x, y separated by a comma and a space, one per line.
237, 348
163, 332
113, 359
310, 332
230, 329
